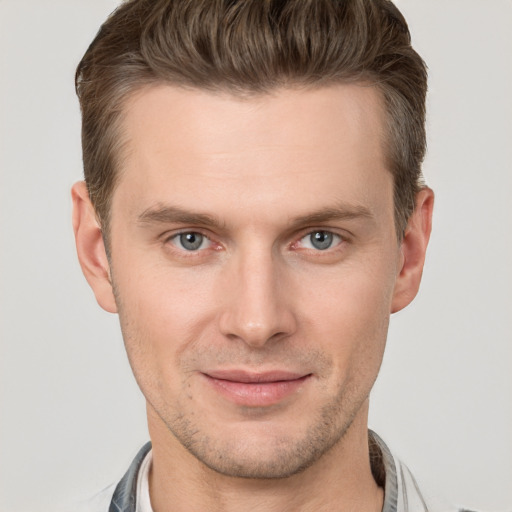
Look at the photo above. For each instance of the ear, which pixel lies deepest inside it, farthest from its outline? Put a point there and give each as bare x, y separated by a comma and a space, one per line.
90, 248
412, 250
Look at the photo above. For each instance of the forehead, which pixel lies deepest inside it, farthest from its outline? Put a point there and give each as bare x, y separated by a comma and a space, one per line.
298, 115
195, 148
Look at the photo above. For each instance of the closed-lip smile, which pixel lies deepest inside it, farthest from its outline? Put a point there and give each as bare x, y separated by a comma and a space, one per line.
255, 389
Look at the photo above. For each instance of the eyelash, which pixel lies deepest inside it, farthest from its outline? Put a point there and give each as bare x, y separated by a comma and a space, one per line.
177, 236
337, 241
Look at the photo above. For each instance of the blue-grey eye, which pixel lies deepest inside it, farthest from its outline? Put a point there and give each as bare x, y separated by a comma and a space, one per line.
191, 241
320, 240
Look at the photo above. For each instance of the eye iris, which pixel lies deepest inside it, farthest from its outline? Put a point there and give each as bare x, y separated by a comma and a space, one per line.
321, 240
191, 241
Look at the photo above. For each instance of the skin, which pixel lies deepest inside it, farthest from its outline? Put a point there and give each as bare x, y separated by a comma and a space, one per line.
254, 179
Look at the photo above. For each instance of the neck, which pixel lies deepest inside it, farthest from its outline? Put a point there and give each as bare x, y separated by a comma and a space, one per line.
340, 480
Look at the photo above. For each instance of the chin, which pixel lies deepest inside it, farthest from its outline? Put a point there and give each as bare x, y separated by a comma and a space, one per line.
274, 462
262, 450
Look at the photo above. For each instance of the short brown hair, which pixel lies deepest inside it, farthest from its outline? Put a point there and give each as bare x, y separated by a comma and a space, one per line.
251, 47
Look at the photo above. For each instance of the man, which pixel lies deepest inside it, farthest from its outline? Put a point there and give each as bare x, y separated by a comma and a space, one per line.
253, 210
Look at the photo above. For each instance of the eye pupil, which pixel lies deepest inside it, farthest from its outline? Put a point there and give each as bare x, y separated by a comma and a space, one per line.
191, 241
321, 240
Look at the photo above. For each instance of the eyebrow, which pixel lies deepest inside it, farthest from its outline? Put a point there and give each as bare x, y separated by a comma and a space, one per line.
342, 212
167, 214
163, 214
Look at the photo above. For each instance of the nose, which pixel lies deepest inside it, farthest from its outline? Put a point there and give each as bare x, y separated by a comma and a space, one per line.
257, 304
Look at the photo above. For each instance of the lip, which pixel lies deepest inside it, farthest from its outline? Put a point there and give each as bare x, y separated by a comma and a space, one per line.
255, 389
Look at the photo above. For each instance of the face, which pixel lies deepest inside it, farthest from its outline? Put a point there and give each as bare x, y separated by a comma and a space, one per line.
255, 264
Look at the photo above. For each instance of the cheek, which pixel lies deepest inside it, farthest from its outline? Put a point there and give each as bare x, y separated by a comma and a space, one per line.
349, 315
162, 315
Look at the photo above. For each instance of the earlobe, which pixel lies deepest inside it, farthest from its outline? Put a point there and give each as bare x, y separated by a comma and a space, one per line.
413, 250
90, 248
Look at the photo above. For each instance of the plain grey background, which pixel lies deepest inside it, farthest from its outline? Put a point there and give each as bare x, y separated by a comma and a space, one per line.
71, 415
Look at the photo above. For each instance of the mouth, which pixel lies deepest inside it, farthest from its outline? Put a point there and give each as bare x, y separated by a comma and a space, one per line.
256, 389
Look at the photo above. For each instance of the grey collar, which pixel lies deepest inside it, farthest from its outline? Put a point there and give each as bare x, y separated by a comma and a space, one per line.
384, 471
125, 494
